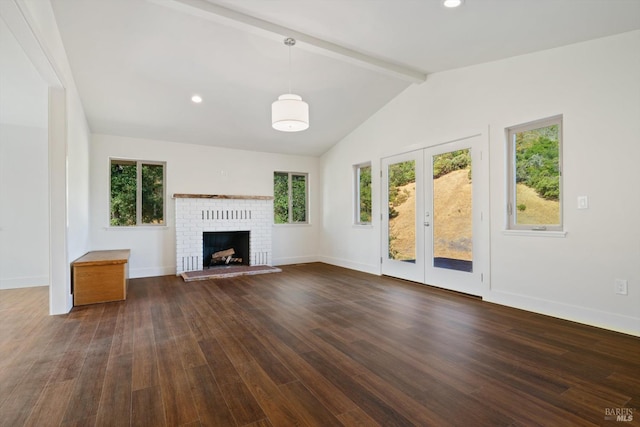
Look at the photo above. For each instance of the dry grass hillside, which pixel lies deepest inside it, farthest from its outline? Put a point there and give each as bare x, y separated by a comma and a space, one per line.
402, 227
537, 210
452, 221
452, 226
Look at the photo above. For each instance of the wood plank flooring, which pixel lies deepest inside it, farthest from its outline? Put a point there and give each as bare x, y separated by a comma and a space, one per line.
315, 345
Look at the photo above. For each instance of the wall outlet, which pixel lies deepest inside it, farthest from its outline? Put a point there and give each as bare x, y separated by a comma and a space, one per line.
621, 286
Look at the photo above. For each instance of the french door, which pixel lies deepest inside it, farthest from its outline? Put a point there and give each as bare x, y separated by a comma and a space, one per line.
432, 222
403, 207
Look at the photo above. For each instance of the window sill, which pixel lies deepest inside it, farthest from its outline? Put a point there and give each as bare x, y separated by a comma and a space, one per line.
541, 233
365, 226
136, 227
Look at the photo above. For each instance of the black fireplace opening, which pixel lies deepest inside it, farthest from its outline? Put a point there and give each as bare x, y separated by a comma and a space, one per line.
224, 248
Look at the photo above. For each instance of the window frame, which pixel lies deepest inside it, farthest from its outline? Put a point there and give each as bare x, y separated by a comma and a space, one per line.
139, 164
511, 213
290, 220
357, 193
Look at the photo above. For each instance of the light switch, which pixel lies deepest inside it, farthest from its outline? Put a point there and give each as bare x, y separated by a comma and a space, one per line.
583, 202
621, 286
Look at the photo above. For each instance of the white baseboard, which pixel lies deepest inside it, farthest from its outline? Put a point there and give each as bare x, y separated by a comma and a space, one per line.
601, 319
365, 268
68, 306
24, 282
295, 260
135, 273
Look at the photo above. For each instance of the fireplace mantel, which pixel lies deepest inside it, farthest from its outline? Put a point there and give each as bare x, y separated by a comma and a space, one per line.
220, 196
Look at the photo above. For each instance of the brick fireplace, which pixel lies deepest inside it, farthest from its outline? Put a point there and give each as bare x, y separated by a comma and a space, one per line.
200, 213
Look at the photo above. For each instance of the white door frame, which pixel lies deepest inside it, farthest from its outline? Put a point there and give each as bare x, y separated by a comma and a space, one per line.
479, 285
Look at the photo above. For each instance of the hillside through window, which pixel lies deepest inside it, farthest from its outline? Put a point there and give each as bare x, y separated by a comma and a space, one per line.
535, 172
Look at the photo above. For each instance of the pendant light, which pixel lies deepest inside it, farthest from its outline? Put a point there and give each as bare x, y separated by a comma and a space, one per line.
290, 113
452, 3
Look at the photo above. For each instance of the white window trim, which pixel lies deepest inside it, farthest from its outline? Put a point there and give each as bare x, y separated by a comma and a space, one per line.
531, 233
139, 223
548, 230
290, 221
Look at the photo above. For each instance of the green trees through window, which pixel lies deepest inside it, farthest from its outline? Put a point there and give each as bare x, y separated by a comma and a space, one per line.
363, 194
137, 193
290, 197
452, 161
123, 192
537, 160
400, 176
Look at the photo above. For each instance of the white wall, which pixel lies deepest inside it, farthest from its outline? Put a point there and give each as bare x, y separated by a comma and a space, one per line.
78, 146
195, 169
595, 86
24, 220
68, 148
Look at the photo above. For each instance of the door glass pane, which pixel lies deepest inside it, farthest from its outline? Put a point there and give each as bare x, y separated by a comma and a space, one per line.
452, 211
402, 211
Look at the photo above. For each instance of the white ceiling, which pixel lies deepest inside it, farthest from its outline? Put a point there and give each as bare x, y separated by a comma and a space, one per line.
137, 62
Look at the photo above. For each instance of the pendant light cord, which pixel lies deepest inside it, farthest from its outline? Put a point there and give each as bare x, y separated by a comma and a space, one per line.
289, 68
289, 41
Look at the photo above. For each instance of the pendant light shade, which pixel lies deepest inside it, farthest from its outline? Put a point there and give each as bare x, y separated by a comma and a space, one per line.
290, 113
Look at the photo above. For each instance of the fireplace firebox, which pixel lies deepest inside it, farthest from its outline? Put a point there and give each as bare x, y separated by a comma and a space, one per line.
221, 248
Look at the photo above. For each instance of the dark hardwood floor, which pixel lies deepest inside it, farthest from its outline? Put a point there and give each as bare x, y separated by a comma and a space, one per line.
313, 345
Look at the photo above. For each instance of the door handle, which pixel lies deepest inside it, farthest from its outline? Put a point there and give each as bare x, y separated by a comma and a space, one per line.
426, 224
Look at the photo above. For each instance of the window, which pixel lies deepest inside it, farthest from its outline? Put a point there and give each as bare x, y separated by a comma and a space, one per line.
362, 193
535, 171
290, 198
137, 193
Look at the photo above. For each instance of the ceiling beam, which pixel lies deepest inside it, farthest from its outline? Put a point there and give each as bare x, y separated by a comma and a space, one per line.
221, 14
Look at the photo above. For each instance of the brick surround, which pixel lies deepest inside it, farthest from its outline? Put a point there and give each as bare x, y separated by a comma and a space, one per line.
196, 214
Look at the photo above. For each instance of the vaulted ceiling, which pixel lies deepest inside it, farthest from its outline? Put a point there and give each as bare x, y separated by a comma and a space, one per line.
137, 63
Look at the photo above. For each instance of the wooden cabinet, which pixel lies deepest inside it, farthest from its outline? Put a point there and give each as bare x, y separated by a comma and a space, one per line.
100, 276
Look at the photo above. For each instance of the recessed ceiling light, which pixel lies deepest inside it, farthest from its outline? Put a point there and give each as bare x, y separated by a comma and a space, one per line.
451, 3
197, 99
